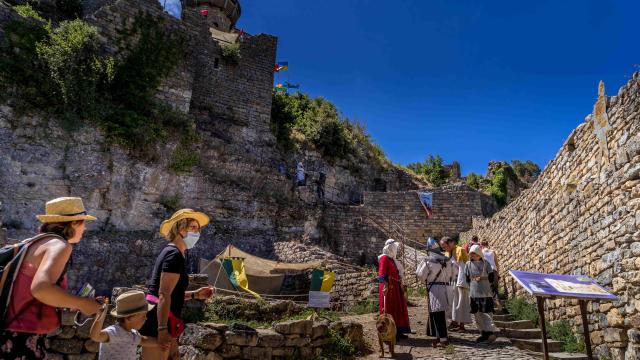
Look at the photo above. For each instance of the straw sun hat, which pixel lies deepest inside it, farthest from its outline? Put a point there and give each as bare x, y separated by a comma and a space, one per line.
166, 225
131, 303
65, 209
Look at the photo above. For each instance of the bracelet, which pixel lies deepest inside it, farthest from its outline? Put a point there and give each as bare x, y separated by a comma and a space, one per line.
160, 328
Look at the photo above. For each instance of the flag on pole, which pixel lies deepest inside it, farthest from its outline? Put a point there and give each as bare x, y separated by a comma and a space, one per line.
322, 280
426, 199
289, 85
281, 66
234, 268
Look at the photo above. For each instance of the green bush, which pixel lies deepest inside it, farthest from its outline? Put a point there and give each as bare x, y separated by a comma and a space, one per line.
526, 170
27, 11
183, 160
231, 52
63, 71
297, 121
71, 55
432, 169
561, 331
171, 202
474, 180
498, 187
338, 348
520, 309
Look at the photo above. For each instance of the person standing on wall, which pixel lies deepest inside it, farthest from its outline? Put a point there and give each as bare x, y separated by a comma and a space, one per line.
391, 297
39, 288
300, 175
168, 284
490, 255
461, 308
322, 178
437, 271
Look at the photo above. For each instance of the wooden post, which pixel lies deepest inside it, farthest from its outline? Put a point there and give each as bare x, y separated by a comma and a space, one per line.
585, 327
543, 327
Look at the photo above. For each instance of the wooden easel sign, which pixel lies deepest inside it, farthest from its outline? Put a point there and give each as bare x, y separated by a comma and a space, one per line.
580, 287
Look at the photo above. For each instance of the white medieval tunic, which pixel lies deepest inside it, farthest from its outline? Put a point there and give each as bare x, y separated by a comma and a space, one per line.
439, 272
461, 307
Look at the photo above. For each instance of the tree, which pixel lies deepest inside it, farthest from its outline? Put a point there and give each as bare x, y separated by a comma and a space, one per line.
432, 169
526, 170
474, 180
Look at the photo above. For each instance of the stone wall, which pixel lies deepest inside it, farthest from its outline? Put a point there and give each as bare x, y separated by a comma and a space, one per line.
359, 232
300, 339
582, 216
352, 284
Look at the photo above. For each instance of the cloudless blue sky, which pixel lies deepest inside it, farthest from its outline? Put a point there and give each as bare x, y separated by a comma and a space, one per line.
472, 81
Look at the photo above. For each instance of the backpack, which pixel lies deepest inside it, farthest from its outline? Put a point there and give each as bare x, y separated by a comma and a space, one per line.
11, 257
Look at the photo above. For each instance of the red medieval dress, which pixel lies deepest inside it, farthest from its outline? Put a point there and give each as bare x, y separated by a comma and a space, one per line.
396, 305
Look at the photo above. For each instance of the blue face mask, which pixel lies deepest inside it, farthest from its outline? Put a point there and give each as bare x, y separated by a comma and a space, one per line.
191, 239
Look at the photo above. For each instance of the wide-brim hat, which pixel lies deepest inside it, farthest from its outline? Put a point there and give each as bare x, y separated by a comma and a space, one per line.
166, 225
131, 303
65, 209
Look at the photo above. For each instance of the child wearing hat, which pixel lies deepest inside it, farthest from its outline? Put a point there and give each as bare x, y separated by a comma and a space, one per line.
479, 274
120, 341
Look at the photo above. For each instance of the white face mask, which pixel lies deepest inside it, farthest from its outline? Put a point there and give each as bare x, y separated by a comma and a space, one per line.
191, 239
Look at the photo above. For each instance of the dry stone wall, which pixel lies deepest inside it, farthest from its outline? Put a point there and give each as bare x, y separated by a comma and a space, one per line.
299, 339
582, 216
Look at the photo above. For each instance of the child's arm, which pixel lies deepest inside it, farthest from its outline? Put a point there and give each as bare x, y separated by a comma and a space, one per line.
148, 341
96, 333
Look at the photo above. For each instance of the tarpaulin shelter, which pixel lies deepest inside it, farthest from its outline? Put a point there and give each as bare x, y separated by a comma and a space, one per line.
264, 276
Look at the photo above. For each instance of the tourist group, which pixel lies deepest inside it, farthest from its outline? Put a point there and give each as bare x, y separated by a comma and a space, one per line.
33, 286
460, 282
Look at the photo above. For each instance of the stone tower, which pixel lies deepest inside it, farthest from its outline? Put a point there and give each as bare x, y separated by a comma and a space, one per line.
221, 15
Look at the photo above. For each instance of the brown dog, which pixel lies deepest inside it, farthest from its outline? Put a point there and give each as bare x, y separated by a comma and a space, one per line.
386, 333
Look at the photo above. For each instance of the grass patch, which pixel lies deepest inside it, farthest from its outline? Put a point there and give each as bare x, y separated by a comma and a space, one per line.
259, 313
363, 307
520, 309
561, 331
183, 160
338, 348
171, 202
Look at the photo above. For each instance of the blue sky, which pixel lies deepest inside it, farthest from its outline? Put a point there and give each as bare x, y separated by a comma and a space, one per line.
472, 81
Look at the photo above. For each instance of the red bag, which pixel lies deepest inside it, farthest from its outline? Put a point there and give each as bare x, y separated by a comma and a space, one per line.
175, 324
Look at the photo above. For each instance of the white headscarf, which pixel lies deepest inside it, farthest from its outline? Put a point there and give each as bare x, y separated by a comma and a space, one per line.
390, 249
476, 249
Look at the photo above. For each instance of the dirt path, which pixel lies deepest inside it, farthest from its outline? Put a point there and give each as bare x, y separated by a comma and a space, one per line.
418, 346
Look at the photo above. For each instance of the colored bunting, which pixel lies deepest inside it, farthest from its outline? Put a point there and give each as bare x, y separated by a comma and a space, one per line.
426, 199
281, 66
234, 268
322, 280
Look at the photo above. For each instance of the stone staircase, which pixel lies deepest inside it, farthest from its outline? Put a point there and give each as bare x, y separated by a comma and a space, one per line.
526, 336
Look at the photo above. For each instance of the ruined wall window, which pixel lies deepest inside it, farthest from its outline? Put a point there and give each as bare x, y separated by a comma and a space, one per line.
571, 142
216, 63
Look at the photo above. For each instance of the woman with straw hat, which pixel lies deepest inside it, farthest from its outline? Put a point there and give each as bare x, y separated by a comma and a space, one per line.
169, 281
40, 282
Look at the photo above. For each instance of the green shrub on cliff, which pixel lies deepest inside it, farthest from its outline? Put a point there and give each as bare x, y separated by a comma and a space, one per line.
298, 121
64, 71
432, 169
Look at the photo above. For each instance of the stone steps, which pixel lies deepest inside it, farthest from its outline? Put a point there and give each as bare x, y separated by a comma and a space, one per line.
536, 345
503, 317
516, 324
522, 333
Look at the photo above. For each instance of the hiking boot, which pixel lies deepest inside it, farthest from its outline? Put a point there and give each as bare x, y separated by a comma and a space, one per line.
483, 337
491, 338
